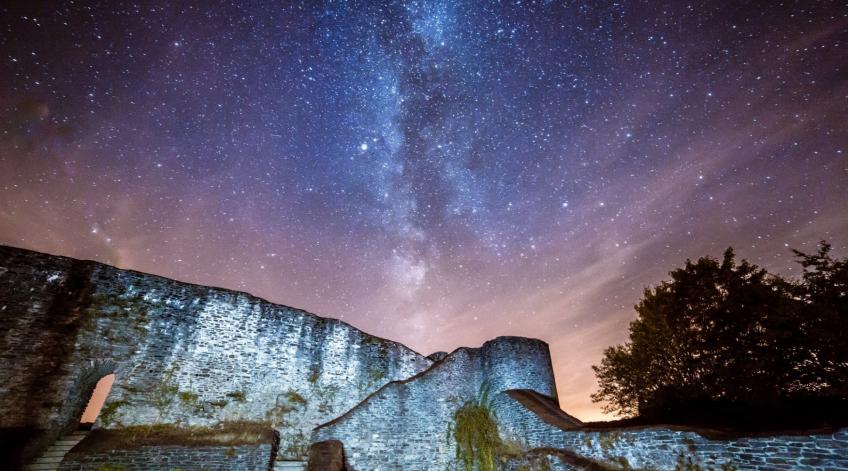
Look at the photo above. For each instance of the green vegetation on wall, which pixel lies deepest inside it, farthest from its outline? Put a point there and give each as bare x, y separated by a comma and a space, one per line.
375, 376
188, 399
295, 398
479, 446
237, 396
108, 414
287, 402
163, 395
613, 443
692, 462
314, 376
110, 467
476, 433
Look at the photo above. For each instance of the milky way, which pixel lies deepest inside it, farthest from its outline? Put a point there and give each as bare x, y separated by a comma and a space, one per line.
434, 172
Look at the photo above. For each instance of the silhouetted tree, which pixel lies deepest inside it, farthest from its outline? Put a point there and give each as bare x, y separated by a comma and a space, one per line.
723, 339
824, 293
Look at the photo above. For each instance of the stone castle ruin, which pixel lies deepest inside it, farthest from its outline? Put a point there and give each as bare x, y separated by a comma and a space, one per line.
208, 378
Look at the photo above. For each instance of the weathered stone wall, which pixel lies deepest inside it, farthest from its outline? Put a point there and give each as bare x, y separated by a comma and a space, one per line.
660, 448
167, 457
182, 354
407, 424
192, 357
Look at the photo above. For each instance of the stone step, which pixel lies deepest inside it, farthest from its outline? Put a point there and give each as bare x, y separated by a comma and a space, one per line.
69, 441
42, 466
52, 457
65, 443
290, 465
63, 446
53, 453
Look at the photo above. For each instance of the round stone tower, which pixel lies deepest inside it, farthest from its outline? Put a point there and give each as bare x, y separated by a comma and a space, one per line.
518, 363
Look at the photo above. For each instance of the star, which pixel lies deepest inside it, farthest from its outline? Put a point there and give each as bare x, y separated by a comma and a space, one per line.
374, 149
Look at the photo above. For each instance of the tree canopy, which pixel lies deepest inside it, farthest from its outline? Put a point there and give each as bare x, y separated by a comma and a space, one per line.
723, 341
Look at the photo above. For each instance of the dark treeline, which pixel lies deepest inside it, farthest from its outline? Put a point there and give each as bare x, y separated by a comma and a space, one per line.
725, 344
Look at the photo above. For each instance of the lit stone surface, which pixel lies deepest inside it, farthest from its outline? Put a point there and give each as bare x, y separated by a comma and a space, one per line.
182, 354
164, 457
405, 425
194, 356
659, 448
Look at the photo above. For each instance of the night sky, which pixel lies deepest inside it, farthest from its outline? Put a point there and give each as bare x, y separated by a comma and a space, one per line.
433, 172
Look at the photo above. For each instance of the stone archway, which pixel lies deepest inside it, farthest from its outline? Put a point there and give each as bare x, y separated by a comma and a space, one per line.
96, 401
42, 445
82, 394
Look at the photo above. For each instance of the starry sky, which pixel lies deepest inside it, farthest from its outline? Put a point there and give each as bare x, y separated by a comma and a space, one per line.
437, 172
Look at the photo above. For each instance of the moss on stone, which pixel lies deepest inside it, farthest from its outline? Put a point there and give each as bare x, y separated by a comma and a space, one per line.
188, 398
109, 411
609, 440
326, 398
296, 445
509, 450
370, 339
277, 414
295, 398
539, 464
621, 462
476, 434
110, 467
692, 462
163, 395
224, 433
237, 396
376, 375
313, 377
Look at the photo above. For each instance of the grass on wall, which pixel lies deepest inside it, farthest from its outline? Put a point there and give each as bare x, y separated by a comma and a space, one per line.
476, 433
227, 433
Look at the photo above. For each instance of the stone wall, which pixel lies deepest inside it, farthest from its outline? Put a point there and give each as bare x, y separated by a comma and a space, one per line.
166, 457
182, 354
407, 424
661, 448
196, 358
